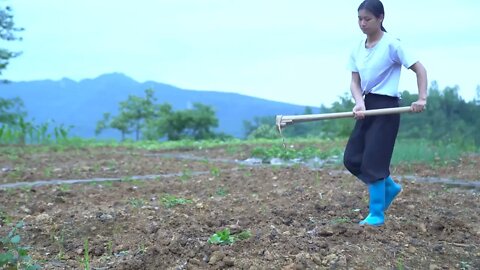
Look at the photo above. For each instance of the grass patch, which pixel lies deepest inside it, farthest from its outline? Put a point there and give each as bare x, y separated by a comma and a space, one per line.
423, 151
341, 220
289, 153
221, 192
215, 171
136, 202
170, 201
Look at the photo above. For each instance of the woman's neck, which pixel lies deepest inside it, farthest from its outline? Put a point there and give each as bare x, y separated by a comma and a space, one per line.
373, 39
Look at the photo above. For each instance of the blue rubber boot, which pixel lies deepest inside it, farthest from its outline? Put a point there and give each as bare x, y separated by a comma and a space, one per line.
377, 203
392, 189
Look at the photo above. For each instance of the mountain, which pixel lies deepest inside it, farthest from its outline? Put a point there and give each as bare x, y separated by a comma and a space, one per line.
82, 104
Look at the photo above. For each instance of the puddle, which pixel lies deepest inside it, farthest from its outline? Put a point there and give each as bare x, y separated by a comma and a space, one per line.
254, 161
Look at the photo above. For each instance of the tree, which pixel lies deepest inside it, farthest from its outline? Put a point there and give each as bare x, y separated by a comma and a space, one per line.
266, 122
134, 113
339, 127
196, 123
11, 110
202, 120
448, 118
152, 121
7, 32
477, 96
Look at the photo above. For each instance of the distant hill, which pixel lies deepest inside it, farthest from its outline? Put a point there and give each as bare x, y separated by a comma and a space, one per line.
81, 104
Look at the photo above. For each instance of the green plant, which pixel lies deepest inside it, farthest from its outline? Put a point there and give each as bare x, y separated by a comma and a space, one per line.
465, 265
13, 255
4, 218
47, 172
340, 220
247, 174
133, 181
224, 237
409, 151
64, 188
400, 264
171, 201
318, 178
142, 249
244, 235
186, 175
86, 256
58, 237
221, 191
303, 153
136, 203
215, 171
109, 247
233, 149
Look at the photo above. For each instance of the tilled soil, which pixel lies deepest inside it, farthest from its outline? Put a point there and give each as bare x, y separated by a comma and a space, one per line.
298, 218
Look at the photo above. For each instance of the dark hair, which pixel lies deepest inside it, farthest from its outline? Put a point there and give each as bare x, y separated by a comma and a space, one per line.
375, 7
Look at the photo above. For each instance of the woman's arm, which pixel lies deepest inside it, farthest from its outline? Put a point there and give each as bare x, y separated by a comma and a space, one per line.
357, 95
421, 73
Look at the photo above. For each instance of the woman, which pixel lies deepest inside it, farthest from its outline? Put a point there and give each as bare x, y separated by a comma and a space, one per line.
376, 64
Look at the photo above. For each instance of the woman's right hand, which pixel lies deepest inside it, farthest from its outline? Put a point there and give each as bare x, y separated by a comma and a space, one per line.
358, 111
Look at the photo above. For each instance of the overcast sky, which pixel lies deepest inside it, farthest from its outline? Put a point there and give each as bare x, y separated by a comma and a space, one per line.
293, 51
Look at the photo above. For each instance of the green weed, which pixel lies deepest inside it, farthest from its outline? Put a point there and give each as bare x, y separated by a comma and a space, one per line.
186, 175
106, 183
465, 265
247, 174
215, 171
59, 239
171, 201
303, 153
233, 149
221, 191
423, 151
12, 254
400, 264
340, 220
110, 247
142, 249
86, 256
136, 203
5, 218
64, 187
224, 237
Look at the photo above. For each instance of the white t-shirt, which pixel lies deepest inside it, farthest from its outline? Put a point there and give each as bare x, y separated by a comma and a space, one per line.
379, 67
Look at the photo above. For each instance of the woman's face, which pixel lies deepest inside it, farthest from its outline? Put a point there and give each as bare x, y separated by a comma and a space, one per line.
368, 23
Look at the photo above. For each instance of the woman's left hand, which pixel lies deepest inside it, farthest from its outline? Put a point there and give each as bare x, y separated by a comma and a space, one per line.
419, 105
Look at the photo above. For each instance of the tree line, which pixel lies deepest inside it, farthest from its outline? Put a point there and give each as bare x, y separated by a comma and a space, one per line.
148, 120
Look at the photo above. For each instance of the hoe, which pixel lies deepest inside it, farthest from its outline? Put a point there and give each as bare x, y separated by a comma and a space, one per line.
286, 120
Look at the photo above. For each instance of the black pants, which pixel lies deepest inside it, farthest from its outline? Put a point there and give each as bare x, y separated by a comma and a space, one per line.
369, 149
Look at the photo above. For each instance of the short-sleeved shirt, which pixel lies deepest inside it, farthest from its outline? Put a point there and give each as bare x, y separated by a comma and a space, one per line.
380, 66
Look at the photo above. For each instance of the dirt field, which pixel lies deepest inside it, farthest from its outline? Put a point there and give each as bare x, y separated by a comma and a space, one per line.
168, 204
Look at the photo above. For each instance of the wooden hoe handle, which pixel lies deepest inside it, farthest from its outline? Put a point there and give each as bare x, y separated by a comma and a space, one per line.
286, 120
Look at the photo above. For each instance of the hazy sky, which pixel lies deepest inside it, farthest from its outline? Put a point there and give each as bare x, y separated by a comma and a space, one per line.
294, 51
